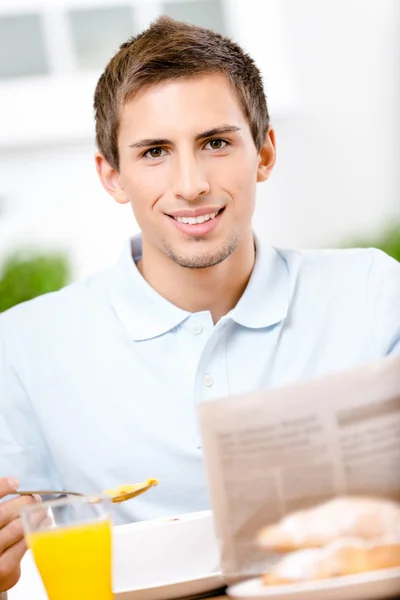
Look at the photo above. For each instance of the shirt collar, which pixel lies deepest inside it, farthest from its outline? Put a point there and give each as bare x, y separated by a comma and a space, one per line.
265, 300
145, 314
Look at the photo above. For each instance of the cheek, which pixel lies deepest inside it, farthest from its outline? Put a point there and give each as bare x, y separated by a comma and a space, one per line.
239, 180
143, 187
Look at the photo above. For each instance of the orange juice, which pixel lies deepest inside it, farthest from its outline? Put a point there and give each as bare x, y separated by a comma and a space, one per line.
74, 561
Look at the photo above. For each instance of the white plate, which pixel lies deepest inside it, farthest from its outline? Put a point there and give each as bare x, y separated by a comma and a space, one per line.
365, 586
175, 589
30, 586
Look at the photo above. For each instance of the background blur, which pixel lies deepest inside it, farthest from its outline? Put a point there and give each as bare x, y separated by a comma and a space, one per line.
332, 77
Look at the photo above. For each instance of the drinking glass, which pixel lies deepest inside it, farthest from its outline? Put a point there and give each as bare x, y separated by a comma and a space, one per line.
71, 544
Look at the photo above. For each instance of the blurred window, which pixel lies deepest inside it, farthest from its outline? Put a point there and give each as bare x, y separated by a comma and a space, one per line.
97, 33
22, 46
207, 13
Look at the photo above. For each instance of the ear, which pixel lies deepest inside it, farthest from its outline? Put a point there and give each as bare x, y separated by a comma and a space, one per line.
267, 157
110, 179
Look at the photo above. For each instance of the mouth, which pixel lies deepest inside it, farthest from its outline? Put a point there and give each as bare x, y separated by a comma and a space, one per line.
199, 219
198, 226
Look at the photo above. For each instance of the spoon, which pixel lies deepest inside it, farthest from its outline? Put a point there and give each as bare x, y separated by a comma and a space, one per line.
120, 494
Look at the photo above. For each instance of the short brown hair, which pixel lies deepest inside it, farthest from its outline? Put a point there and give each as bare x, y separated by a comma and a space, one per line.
170, 49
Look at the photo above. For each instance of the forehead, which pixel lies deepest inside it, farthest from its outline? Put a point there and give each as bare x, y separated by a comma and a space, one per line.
182, 107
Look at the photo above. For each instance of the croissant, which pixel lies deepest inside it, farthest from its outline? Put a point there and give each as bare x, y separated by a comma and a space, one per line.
361, 517
346, 556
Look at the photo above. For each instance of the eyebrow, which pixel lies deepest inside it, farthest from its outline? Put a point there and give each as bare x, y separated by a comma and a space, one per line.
201, 136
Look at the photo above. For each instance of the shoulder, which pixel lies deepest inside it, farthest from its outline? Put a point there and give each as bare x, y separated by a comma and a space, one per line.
354, 266
355, 286
55, 311
349, 279
343, 259
43, 308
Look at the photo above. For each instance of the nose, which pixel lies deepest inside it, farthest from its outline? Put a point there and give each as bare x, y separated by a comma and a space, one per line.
189, 179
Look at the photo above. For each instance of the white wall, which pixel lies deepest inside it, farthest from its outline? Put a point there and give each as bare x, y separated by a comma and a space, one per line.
332, 77
337, 173
55, 201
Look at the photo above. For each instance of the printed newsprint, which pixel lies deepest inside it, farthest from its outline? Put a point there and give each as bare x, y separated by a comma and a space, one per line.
272, 452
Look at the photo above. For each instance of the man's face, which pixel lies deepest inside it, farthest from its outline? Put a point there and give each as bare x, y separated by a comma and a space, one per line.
188, 167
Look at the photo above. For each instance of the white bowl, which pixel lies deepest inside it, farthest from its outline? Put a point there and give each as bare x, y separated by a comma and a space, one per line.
164, 552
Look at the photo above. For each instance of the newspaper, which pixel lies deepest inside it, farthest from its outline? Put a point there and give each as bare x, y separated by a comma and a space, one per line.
272, 452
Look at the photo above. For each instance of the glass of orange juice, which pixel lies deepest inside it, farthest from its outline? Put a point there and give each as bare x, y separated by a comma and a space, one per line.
70, 540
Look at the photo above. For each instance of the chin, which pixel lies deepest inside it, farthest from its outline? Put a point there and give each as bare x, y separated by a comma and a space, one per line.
202, 259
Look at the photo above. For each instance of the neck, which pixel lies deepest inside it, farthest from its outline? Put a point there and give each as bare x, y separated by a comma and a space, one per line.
216, 289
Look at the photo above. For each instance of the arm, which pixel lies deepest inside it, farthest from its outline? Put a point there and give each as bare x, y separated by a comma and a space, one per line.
23, 450
23, 454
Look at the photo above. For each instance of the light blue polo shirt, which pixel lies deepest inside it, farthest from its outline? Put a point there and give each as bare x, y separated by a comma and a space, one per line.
99, 382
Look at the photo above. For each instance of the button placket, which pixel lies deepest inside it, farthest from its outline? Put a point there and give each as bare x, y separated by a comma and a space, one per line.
211, 379
211, 376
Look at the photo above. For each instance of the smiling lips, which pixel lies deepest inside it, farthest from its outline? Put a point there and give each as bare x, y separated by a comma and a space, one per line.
199, 219
197, 222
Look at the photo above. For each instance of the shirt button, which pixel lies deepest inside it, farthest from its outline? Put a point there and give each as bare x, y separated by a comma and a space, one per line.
196, 328
208, 380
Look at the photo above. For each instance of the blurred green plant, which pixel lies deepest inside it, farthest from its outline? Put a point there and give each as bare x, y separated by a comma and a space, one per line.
388, 241
25, 276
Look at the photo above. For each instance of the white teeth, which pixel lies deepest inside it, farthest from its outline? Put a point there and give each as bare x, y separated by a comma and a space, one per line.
195, 220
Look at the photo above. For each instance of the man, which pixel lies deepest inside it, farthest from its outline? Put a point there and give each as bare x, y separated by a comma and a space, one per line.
100, 381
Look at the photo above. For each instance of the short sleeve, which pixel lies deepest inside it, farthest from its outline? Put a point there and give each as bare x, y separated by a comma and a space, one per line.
384, 302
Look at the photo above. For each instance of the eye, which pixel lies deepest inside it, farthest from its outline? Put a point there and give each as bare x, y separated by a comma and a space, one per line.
217, 144
154, 153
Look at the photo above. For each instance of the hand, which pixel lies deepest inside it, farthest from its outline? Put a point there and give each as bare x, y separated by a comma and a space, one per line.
12, 543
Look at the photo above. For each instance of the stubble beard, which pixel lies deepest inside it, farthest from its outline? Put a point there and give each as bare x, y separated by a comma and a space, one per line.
202, 259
